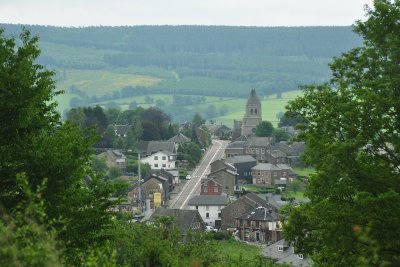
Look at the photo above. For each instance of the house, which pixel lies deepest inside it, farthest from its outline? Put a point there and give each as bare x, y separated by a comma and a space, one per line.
266, 173
243, 165
210, 187
148, 148
150, 188
114, 158
164, 183
125, 205
184, 220
161, 160
171, 175
293, 152
282, 252
178, 139
209, 207
218, 130
225, 174
275, 156
242, 205
121, 130
234, 149
236, 130
257, 147
260, 224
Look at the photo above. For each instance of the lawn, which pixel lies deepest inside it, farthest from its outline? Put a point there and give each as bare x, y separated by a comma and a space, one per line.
257, 189
304, 171
236, 250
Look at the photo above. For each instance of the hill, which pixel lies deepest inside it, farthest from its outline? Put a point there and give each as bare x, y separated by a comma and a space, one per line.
103, 64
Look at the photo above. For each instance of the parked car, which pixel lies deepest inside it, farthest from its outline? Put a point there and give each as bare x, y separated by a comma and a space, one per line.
209, 228
188, 177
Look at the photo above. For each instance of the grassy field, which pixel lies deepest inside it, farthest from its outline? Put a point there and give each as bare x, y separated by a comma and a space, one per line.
100, 82
257, 189
236, 250
304, 171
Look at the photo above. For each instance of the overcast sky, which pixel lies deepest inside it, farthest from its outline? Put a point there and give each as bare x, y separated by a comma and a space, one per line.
177, 12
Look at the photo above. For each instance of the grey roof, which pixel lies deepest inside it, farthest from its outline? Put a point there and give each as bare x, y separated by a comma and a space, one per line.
256, 141
286, 256
253, 99
276, 153
283, 166
240, 159
236, 144
179, 138
150, 147
241, 138
265, 167
260, 214
213, 128
121, 129
208, 200
183, 218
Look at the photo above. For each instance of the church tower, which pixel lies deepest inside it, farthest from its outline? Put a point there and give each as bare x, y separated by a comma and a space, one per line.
252, 117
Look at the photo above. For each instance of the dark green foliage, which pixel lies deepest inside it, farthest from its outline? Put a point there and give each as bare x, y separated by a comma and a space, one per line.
190, 152
198, 120
264, 129
352, 135
280, 135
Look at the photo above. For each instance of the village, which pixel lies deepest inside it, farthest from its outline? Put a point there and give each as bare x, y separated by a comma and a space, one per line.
220, 199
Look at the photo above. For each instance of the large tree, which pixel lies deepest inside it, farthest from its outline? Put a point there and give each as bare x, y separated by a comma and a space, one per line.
264, 129
36, 145
352, 130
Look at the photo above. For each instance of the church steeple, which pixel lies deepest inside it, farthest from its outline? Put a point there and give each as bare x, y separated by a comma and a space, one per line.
252, 116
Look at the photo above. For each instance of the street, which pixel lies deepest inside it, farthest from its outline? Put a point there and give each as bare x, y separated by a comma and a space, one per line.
192, 186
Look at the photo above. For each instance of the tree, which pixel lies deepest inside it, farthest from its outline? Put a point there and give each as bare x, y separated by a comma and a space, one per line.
264, 129
352, 134
198, 120
35, 143
280, 135
211, 111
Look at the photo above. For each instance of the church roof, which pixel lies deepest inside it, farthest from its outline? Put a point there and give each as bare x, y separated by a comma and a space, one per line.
253, 99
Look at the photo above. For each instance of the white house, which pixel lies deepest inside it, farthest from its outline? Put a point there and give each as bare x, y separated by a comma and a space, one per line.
209, 207
161, 160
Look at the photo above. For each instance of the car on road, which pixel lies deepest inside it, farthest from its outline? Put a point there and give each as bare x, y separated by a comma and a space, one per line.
188, 177
209, 228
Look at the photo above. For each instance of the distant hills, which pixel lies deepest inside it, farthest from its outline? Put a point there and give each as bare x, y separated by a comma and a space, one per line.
95, 64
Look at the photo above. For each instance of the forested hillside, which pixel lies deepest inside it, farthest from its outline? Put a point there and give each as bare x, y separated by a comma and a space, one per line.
101, 64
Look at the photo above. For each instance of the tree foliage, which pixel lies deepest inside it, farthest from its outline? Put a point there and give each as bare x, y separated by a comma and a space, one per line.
352, 134
264, 129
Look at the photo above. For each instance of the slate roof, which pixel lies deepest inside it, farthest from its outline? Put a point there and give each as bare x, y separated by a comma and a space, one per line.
265, 167
121, 129
276, 153
213, 128
286, 256
183, 218
240, 159
208, 200
253, 99
179, 138
151, 147
256, 141
259, 214
236, 144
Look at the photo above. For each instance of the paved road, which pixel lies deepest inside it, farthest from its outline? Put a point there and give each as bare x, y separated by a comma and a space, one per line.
192, 187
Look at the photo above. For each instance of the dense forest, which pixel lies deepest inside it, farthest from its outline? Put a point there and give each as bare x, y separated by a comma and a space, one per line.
203, 60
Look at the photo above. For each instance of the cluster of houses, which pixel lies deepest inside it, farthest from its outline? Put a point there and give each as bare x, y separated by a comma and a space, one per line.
222, 203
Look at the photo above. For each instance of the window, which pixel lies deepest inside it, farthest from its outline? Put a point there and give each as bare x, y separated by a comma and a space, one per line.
262, 150
300, 256
207, 207
251, 111
164, 157
164, 165
155, 157
205, 189
255, 111
197, 207
215, 189
280, 248
207, 215
219, 214
155, 165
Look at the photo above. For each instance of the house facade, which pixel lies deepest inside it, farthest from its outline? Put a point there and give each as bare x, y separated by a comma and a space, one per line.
266, 173
243, 165
259, 225
150, 188
161, 160
209, 208
114, 158
242, 205
282, 252
210, 187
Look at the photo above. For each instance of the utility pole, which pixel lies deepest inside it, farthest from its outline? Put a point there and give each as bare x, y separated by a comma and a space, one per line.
139, 191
